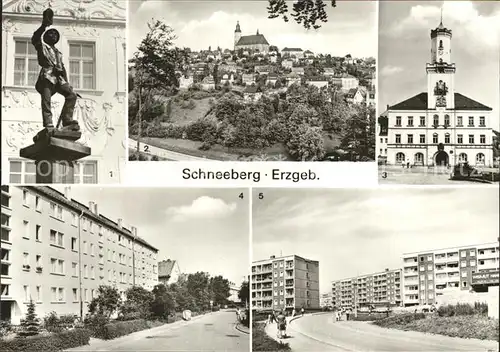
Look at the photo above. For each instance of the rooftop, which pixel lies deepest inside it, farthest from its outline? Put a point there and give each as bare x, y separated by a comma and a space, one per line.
252, 40
482, 245
419, 102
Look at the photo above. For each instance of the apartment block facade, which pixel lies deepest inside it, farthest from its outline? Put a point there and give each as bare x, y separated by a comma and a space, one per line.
372, 289
429, 274
285, 282
57, 252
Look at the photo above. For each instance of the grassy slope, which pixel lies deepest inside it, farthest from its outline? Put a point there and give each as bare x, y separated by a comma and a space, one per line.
182, 117
262, 342
477, 327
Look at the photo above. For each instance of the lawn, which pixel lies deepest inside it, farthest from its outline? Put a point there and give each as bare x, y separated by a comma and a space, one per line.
183, 117
470, 326
262, 342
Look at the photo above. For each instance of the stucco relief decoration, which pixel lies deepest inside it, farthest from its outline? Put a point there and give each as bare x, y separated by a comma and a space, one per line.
20, 134
9, 26
19, 99
82, 30
78, 9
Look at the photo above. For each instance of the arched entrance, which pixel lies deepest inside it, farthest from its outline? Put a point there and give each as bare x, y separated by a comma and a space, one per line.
441, 158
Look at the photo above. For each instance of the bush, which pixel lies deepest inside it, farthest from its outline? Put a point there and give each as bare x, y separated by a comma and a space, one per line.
451, 310
53, 342
401, 319
143, 157
133, 156
121, 328
200, 129
95, 324
5, 328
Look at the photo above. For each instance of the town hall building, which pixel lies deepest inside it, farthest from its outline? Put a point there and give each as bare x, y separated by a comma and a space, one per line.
250, 42
439, 126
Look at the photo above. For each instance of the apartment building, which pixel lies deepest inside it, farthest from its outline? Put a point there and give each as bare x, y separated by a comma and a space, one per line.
57, 252
285, 282
382, 288
429, 274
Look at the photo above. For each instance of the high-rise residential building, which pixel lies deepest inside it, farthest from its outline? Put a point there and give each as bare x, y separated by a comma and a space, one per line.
439, 126
429, 274
57, 252
382, 288
285, 282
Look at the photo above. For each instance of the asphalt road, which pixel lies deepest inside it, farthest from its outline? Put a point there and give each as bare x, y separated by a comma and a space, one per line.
213, 332
321, 333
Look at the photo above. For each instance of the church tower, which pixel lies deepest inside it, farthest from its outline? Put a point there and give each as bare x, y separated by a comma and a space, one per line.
237, 34
440, 71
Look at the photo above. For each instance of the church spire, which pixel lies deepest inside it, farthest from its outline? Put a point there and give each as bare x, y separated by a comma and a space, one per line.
237, 30
257, 32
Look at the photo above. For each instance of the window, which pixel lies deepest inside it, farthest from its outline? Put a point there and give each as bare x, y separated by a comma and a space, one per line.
84, 247
480, 159
52, 211
74, 219
463, 254
86, 172
22, 172
25, 63
460, 138
410, 121
459, 121
482, 122
472, 263
82, 65
75, 295
429, 266
464, 273
25, 198
410, 138
422, 121
435, 139
56, 266
436, 120
422, 268
56, 238
26, 260
5, 268
38, 204
85, 271
447, 138
26, 290
472, 253
398, 120
463, 264
92, 249
398, 139
38, 231
92, 272
446, 120
471, 139
60, 294
422, 138
59, 212
39, 293
5, 253
74, 245
26, 227
471, 121
38, 260
482, 139
464, 283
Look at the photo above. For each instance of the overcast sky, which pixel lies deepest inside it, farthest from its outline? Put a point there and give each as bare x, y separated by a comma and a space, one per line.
204, 229
404, 49
199, 24
361, 231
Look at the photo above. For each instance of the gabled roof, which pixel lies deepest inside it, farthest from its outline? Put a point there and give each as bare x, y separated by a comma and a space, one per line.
166, 267
292, 49
252, 40
419, 102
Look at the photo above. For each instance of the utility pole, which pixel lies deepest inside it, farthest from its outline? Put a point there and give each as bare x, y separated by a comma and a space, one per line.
80, 263
139, 112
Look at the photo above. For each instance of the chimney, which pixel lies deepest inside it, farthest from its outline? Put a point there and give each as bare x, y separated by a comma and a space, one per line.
133, 229
386, 269
95, 209
91, 206
272, 257
67, 192
120, 223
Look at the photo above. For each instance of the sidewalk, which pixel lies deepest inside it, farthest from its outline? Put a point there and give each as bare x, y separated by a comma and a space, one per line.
104, 345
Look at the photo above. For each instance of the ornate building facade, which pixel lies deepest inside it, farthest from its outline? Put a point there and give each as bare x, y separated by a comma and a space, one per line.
439, 126
250, 42
93, 46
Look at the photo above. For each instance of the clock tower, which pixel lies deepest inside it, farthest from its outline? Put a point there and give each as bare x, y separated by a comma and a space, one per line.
440, 71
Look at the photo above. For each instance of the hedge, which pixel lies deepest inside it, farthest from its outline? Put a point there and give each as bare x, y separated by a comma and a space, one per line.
53, 342
121, 328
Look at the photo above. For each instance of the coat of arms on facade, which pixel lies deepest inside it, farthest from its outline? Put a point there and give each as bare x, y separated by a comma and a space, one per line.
440, 88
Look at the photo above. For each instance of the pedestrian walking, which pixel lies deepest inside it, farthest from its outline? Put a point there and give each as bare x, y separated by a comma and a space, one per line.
281, 320
302, 311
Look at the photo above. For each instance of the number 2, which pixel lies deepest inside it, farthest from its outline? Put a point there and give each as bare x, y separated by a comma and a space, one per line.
146, 148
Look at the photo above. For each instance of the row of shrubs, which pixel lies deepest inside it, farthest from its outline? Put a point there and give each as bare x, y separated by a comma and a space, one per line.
400, 319
53, 342
121, 328
450, 310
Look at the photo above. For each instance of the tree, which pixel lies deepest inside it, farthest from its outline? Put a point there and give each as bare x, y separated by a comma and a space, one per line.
197, 285
219, 289
306, 143
138, 302
106, 303
30, 325
305, 12
244, 292
163, 303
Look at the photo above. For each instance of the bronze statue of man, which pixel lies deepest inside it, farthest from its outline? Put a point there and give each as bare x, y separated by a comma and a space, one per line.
53, 77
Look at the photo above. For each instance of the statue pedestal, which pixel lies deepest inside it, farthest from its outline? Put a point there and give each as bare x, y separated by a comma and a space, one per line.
54, 153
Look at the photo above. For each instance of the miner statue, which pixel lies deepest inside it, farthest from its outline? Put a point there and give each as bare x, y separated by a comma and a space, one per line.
53, 77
